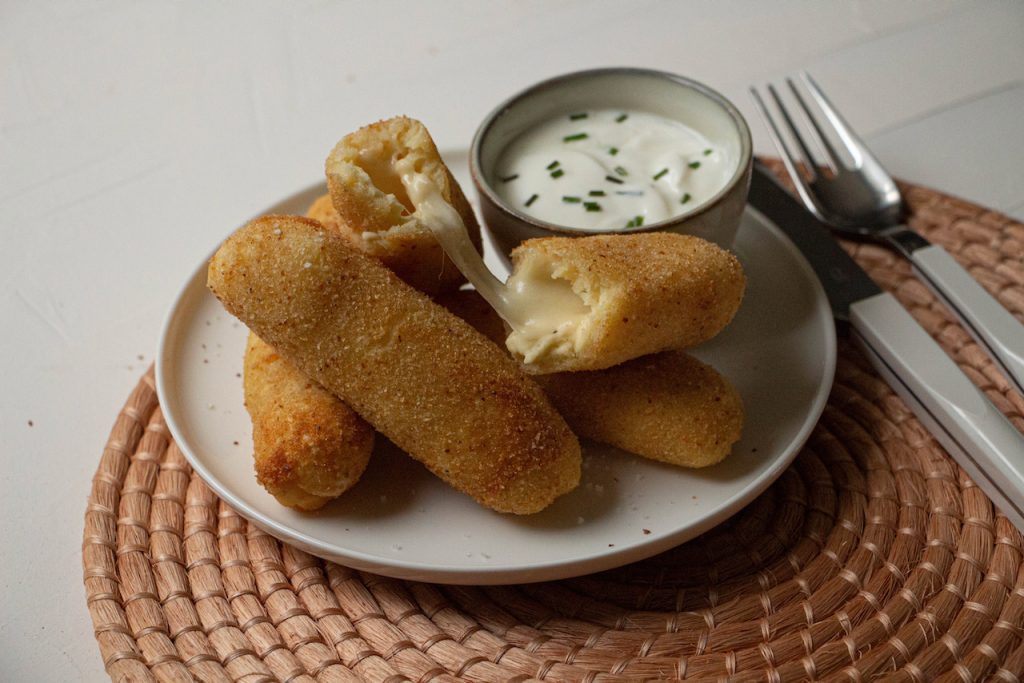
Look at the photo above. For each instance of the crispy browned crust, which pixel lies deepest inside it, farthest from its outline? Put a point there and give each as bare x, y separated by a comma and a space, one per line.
322, 211
648, 293
421, 376
373, 208
668, 407
309, 447
474, 309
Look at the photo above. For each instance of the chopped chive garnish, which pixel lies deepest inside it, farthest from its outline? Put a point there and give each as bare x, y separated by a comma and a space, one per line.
557, 173
510, 178
596, 193
707, 152
553, 165
635, 222
532, 199
621, 171
574, 137
621, 117
577, 117
568, 199
630, 193
613, 150
592, 206
686, 198
694, 165
613, 179
660, 173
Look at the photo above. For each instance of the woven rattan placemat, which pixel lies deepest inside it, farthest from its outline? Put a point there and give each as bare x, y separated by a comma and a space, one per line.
872, 556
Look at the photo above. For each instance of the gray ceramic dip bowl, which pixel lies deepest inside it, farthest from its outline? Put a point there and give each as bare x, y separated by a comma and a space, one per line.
655, 92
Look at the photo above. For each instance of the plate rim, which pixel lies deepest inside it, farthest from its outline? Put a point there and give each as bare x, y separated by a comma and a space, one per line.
503, 574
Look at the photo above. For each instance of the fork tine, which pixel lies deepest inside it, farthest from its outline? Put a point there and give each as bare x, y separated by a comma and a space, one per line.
820, 136
794, 131
853, 143
787, 156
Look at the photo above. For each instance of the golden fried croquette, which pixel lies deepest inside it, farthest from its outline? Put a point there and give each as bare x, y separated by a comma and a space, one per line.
668, 406
323, 212
309, 446
474, 309
372, 207
589, 303
421, 376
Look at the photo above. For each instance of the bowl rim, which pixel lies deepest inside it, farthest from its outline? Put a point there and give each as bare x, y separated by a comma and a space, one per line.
489, 194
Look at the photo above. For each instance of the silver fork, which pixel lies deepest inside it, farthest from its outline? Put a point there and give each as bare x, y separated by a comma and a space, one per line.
858, 197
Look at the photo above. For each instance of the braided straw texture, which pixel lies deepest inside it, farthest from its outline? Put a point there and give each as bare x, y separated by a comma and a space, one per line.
873, 556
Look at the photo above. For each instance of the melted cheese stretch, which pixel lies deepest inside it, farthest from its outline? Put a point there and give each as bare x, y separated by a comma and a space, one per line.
549, 316
545, 314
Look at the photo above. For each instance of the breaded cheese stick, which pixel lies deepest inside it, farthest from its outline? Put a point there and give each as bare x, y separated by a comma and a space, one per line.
668, 407
372, 208
421, 376
323, 212
309, 447
286, 442
589, 303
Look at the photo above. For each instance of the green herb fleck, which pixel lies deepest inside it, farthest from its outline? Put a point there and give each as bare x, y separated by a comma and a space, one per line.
635, 222
707, 152
569, 199
694, 165
621, 171
510, 178
613, 179
557, 173
577, 117
591, 206
621, 117
686, 198
553, 165
596, 193
532, 199
613, 150
575, 137
660, 174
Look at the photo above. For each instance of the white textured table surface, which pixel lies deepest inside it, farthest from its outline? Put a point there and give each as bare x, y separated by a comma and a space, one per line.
133, 136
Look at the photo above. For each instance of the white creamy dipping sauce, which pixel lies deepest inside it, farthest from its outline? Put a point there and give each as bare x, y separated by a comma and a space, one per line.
610, 170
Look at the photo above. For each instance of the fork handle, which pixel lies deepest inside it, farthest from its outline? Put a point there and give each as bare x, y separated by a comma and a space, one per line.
991, 325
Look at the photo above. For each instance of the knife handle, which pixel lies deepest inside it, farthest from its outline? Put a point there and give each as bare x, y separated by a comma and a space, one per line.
971, 429
991, 325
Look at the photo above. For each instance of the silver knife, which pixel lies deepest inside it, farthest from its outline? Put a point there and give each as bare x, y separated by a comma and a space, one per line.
960, 417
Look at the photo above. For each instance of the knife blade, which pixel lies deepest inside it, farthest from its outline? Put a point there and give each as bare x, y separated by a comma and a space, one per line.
844, 281
960, 417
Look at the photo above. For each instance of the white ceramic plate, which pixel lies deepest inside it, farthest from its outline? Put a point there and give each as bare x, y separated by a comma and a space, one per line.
401, 521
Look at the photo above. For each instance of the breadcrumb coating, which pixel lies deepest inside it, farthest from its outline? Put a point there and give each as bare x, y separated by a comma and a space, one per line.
668, 406
647, 293
421, 376
372, 208
309, 447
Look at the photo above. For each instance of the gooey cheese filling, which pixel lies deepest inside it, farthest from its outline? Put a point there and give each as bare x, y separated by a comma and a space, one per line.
545, 314
551, 318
